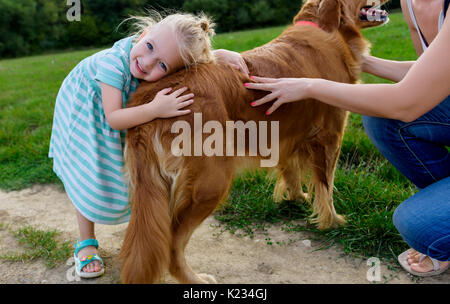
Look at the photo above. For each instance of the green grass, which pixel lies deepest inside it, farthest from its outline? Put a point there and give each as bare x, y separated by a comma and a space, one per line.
368, 188
245, 40
28, 89
39, 244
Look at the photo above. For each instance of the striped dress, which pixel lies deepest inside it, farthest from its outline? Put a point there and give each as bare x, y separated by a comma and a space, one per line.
87, 153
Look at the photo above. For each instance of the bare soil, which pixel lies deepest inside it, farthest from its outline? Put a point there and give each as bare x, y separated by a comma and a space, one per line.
229, 258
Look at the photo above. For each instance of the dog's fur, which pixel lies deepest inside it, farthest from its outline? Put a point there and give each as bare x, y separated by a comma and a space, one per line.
172, 195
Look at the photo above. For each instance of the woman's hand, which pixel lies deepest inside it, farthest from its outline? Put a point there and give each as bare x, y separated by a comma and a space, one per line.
166, 105
233, 58
283, 90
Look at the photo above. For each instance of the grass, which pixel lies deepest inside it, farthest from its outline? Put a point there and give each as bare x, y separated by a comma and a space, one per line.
28, 89
368, 188
39, 244
245, 40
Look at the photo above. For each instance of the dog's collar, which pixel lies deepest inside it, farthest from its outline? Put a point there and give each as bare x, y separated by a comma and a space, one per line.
307, 23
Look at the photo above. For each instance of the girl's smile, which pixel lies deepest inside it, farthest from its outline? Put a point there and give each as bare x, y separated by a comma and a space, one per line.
138, 67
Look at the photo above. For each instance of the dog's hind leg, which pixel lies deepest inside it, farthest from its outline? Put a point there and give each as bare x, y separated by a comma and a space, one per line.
290, 181
324, 164
210, 186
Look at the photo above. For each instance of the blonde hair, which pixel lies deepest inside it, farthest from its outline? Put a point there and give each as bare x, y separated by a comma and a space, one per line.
193, 33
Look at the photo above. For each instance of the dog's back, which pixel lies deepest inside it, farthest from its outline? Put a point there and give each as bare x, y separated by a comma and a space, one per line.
300, 51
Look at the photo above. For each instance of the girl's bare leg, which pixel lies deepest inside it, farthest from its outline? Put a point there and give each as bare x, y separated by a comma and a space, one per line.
87, 231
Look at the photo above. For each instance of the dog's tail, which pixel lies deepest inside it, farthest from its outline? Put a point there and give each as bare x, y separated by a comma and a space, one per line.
145, 250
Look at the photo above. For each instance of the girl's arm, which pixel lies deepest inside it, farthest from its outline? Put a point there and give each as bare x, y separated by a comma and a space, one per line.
162, 106
425, 85
387, 69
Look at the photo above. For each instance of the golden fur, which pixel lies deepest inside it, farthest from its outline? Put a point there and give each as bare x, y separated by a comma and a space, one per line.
172, 195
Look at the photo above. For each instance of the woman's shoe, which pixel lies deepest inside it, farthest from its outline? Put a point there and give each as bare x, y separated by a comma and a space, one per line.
402, 259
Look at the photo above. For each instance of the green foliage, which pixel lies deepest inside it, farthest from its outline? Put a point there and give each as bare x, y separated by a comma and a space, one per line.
33, 26
231, 15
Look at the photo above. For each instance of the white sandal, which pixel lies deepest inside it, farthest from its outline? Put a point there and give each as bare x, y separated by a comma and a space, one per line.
402, 259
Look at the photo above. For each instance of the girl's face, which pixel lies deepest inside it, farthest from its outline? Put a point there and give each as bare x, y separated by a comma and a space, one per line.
155, 55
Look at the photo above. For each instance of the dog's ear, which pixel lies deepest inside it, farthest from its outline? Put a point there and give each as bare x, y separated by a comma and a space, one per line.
329, 14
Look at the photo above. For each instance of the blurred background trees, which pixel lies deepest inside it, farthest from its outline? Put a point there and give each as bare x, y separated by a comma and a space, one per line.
34, 26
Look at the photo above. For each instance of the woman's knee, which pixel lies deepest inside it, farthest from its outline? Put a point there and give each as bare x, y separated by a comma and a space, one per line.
401, 219
423, 220
381, 131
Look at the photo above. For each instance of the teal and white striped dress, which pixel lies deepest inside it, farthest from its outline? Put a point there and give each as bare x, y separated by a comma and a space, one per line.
87, 153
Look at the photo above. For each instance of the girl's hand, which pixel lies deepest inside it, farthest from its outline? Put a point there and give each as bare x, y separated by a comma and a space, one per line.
166, 105
233, 58
283, 90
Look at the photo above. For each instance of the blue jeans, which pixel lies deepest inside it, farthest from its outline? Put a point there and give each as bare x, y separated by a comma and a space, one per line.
418, 150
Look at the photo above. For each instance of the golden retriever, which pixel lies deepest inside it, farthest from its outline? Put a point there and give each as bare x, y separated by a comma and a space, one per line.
171, 194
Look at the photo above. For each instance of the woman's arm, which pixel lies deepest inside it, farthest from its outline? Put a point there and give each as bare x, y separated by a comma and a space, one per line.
387, 69
425, 85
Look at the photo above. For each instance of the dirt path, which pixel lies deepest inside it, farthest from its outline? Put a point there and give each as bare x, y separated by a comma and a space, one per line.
230, 259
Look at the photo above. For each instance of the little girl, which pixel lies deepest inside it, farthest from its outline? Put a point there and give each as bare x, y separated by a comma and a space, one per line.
90, 118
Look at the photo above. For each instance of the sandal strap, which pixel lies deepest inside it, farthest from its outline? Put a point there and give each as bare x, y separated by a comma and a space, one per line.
422, 257
435, 262
83, 244
436, 265
84, 260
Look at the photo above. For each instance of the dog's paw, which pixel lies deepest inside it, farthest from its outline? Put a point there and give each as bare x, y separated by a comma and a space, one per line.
209, 279
305, 196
